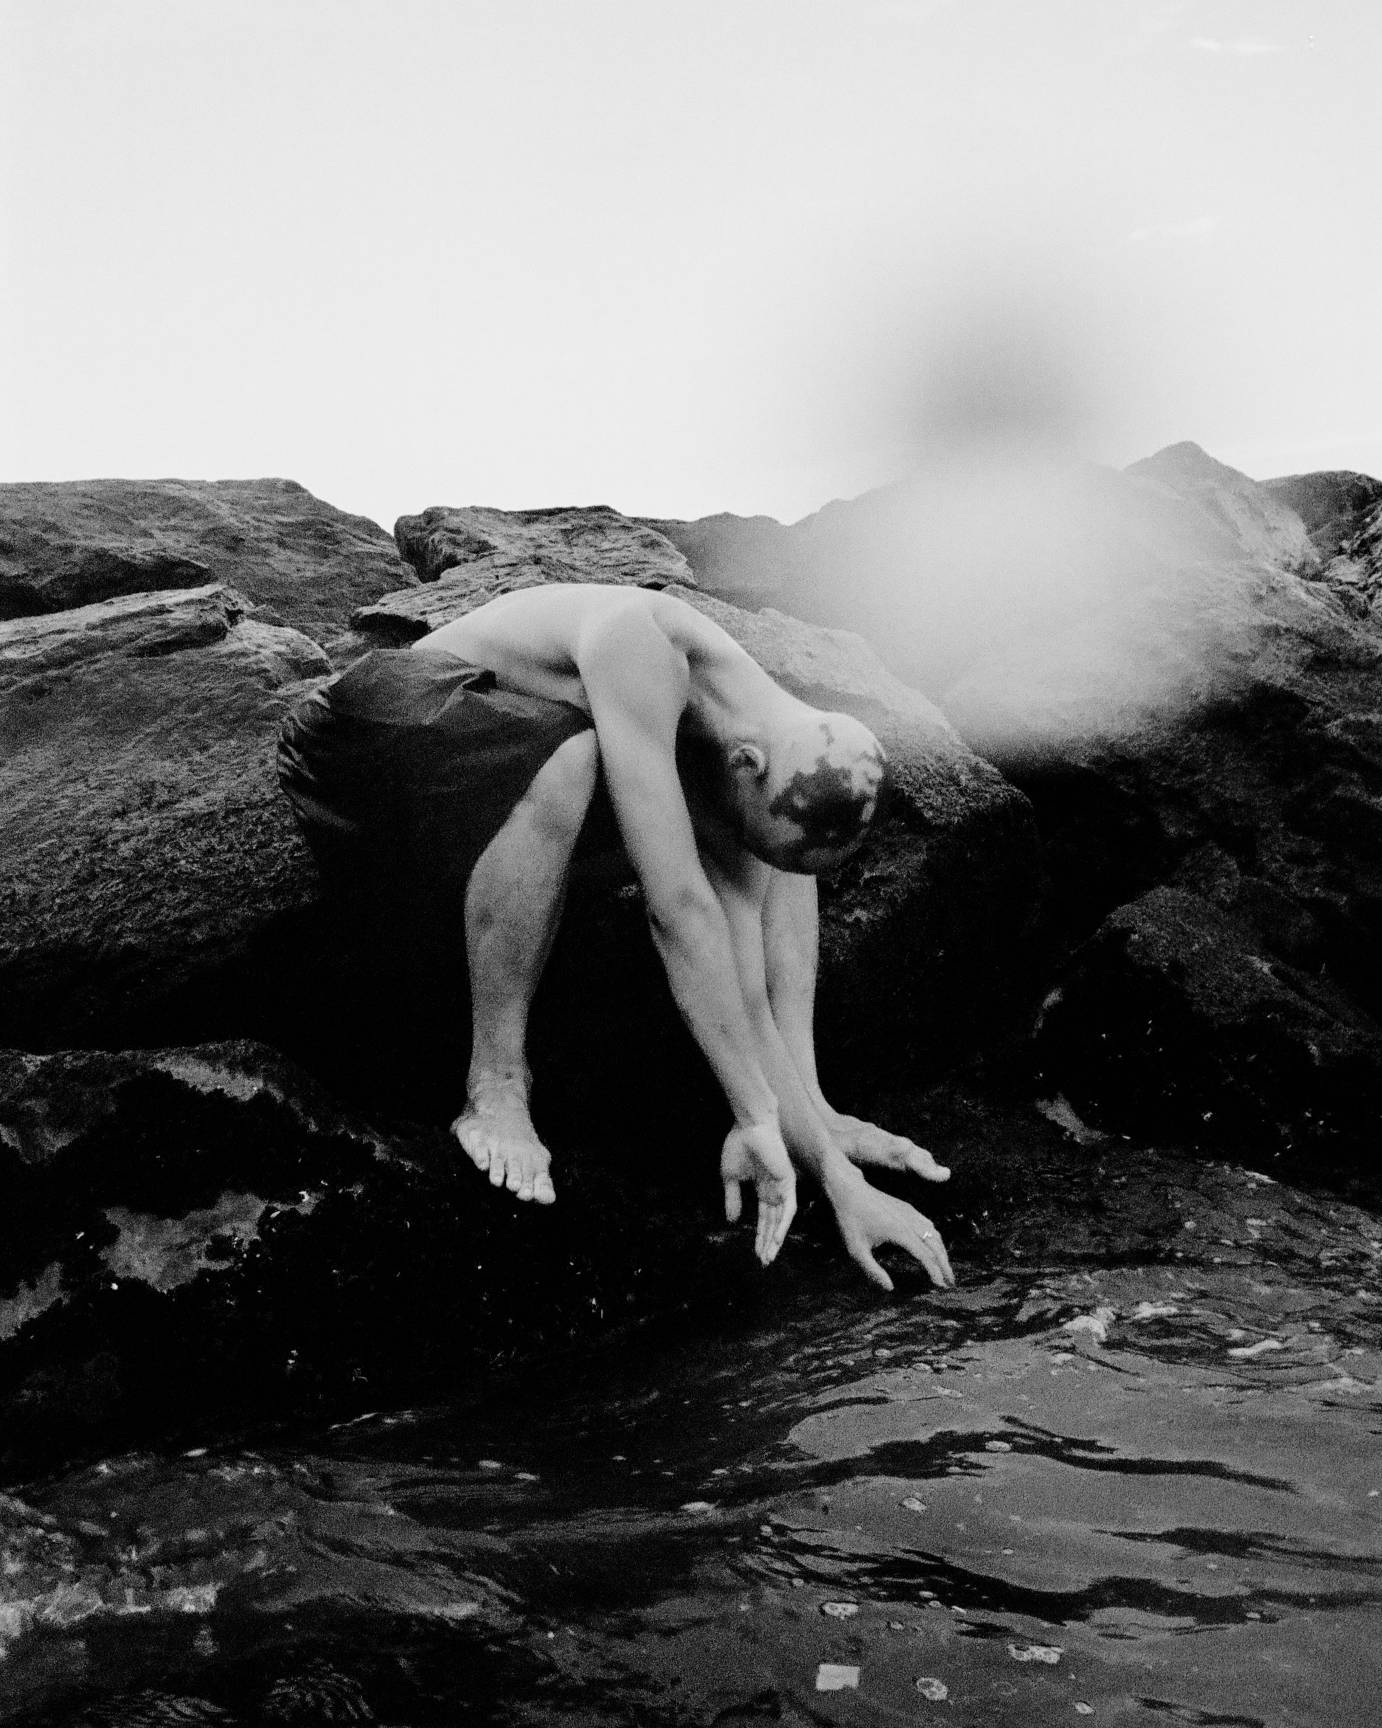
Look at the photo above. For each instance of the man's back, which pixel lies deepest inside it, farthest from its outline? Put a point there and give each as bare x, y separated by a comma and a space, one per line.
532, 638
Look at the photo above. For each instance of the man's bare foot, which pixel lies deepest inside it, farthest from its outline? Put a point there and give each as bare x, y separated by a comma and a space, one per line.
863, 1143
498, 1135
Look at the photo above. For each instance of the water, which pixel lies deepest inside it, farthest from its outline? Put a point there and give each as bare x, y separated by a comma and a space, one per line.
1128, 1472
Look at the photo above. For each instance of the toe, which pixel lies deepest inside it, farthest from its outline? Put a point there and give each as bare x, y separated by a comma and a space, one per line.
543, 1191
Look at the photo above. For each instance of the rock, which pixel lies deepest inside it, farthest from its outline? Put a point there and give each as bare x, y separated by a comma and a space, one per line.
71, 543
1182, 709
467, 556
926, 915
751, 560
1257, 516
200, 1235
148, 841
934, 907
1175, 1020
594, 544
1333, 504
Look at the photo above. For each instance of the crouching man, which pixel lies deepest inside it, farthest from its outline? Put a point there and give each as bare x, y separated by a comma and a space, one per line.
472, 759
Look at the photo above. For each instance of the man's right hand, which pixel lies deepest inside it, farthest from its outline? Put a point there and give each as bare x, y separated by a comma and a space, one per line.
868, 1218
756, 1154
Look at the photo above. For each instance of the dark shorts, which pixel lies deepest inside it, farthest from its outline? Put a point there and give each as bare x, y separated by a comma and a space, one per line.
402, 770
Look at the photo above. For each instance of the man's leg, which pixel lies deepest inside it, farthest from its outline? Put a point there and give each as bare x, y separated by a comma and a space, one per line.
791, 945
513, 905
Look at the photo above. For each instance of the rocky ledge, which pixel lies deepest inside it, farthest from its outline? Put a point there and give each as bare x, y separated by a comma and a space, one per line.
1136, 730
222, 1110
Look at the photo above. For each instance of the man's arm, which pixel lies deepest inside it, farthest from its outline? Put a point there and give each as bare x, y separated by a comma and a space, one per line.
636, 683
867, 1218
791, 943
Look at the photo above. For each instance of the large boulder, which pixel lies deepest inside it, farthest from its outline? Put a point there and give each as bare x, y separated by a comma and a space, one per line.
918, 931
303, 562
1160, 660
201, 1235
1175, 1019
467, 556
147, 842
157, 890
565, 543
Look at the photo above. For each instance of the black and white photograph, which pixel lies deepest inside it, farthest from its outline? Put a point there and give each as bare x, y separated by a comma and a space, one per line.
690, 863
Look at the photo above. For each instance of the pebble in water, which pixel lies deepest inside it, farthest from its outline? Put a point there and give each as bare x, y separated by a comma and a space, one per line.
839, 1610
936, 1690
1048, 1653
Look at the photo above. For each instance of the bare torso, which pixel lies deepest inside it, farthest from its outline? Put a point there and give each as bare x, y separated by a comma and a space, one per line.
530, 638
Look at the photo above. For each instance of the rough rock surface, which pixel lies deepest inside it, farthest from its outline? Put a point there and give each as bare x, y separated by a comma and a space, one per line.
1342, 511
157, 886
307, 564
467, 556
1174, 1019
1181, 707
1333, 504
592, 544
1259, 518
145, 837
202, 1234
924, 916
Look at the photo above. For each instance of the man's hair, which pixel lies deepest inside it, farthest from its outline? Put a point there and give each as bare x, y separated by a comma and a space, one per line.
827, 782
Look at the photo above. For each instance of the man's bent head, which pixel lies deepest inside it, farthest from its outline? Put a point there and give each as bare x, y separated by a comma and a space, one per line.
805, 797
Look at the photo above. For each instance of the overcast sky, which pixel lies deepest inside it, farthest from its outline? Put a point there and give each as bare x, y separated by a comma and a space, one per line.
681, 255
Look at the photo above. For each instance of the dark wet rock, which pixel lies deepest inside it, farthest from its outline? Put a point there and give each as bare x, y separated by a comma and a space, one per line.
71, 543
146, 839
316, 1696
1174, 1019
202, 1236
148, 1707
1149, 1404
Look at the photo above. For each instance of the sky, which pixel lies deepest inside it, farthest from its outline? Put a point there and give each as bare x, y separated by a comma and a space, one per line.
681, 257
